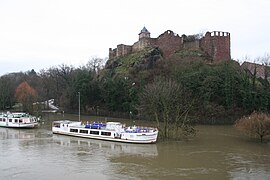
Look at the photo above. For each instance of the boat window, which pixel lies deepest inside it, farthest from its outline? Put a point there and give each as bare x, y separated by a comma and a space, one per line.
10, 120
1, 119
20, 120
73, 130
16, 120
84, 131
105, 133
94, 132
4, 120
57, 125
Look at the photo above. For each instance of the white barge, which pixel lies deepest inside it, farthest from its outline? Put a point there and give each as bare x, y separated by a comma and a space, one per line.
110, 131
17, 120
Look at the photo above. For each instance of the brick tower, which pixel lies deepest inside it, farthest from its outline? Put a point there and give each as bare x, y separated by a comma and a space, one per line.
217, 45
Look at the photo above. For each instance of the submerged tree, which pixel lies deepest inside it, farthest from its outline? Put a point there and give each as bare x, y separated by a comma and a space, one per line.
257, 124
168, 104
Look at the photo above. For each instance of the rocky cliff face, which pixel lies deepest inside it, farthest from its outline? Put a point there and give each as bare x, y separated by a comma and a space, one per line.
151, 59
142, 60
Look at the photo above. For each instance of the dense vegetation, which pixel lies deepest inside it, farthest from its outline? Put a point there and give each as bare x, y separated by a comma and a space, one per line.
200, 90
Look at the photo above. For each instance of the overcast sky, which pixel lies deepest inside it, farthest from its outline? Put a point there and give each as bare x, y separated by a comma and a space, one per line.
39, 34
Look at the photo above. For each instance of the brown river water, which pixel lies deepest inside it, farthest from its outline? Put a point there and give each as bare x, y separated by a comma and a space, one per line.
217, 152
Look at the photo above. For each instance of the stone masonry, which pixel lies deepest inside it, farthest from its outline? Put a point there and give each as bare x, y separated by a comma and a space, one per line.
216, 44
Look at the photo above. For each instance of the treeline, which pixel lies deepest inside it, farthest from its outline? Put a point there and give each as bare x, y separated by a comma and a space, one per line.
60, 83
209, 93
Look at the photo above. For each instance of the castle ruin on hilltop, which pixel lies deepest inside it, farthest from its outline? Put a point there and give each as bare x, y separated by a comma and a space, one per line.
216, 44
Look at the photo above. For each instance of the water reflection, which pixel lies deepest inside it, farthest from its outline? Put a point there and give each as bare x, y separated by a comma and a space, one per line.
6, 133
113, 148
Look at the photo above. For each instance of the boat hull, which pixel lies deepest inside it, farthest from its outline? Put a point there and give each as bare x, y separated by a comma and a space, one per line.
107, 135
148, 141
17, 120
13, 125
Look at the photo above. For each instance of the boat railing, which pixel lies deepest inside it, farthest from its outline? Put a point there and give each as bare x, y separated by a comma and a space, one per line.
95, 126
139, 130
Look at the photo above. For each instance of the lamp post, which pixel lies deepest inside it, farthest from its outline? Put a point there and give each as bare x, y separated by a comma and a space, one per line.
79, 106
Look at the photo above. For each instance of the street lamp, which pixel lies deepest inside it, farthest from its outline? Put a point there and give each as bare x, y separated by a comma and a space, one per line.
79, 106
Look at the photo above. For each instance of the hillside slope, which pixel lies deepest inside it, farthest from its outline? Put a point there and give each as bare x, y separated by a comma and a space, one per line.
150, 59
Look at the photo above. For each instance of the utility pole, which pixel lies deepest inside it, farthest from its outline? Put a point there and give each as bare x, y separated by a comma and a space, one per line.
79, 106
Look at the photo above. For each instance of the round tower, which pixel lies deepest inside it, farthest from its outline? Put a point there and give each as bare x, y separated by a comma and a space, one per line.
144, 33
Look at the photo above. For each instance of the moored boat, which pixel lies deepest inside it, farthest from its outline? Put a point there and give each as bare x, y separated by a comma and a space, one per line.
110, 131
18, 120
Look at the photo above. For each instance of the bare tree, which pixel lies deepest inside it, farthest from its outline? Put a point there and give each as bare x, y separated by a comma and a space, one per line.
265, 59
26, 95
168, 104
94, 64
257, 124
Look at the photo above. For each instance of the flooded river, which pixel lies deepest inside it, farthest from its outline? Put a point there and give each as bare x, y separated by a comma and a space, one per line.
217, 152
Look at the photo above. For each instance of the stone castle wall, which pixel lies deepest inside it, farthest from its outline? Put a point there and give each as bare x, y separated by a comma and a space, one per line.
169, 43
143, 43
216, 44
192, 45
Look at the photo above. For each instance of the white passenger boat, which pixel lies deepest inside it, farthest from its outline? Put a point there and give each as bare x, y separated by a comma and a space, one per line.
111, 131
17, 120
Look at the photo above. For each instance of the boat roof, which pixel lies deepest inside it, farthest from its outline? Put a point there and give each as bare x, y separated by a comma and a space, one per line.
18, 113
115, 123
64, 121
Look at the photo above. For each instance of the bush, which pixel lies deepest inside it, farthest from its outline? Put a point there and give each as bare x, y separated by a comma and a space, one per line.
257, 124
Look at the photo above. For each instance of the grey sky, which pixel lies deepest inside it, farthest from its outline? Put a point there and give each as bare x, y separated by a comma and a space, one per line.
38, 34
